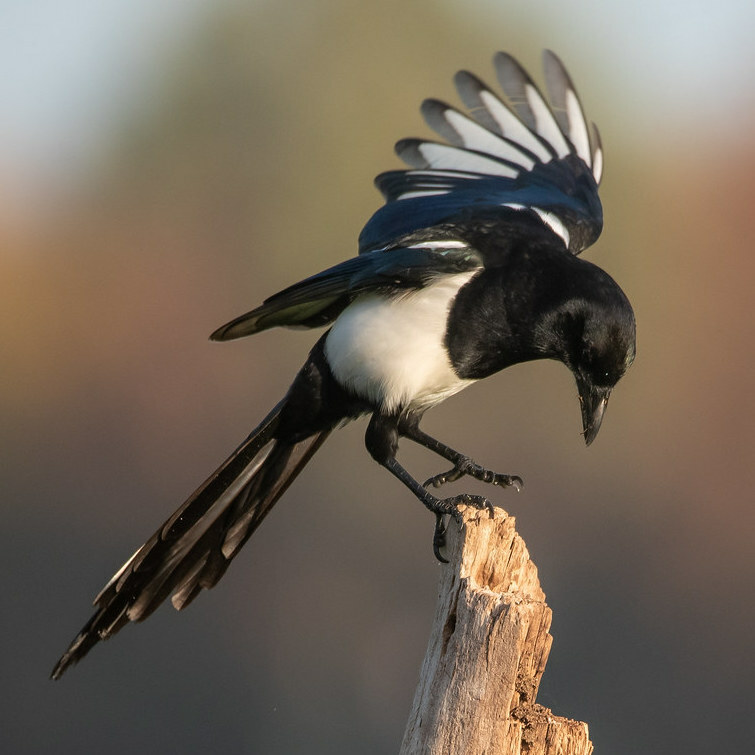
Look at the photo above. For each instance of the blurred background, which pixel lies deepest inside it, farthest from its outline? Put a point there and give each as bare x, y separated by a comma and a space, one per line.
167, 164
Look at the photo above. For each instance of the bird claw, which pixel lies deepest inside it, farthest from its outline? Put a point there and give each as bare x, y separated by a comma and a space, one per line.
441, 479
467, 467
442, 507
439, 538
450, 506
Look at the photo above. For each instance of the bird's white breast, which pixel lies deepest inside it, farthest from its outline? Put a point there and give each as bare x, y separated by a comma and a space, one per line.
390, 350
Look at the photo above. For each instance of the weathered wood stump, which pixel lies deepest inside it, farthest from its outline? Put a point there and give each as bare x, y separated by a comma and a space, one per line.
487, 652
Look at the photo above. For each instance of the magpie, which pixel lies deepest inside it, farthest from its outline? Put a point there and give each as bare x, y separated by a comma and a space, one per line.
469, 267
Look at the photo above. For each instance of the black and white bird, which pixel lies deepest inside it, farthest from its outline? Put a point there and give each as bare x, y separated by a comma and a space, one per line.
469, 267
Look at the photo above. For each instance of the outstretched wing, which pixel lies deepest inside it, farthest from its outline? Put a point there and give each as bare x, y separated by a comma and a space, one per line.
318, 300
525, 156
501, 162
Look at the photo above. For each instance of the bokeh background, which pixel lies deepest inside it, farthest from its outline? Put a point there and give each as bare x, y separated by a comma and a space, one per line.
164, 166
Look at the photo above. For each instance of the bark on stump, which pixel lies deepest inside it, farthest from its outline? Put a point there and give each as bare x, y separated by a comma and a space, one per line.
487, 652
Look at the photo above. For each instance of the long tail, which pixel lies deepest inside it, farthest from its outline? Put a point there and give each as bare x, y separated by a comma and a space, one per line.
194, 547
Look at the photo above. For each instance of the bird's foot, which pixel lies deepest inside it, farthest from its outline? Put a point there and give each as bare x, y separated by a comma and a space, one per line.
439, 538
450, 506
465, 466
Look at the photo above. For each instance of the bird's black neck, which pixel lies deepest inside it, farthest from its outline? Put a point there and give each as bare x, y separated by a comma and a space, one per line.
494, 320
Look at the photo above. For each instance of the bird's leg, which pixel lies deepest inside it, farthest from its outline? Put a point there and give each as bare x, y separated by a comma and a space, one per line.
439, 506
381, 440
462, 465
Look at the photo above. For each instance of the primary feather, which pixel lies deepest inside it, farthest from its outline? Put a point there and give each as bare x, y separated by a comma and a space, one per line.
521, 151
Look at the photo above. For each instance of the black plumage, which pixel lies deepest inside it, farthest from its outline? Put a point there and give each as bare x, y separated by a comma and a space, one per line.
470, 266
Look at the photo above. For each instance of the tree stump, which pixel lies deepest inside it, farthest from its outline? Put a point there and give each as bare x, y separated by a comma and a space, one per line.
487, 652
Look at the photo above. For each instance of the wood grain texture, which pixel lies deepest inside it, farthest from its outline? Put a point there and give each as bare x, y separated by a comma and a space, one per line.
487, 652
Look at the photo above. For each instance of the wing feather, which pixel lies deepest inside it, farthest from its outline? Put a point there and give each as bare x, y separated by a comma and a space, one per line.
318, 300
489, 111
522, 150
528, 103
431, 155
566, 107
462, 131
597, 155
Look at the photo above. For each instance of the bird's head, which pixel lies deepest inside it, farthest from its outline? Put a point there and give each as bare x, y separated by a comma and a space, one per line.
594, 334
602, 347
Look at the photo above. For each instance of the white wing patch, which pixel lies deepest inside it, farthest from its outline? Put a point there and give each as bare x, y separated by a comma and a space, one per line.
512, 128
420, 193
545, 123
523, 131
577, 127
474, 136
597, 165
492, 114
507, 138
554, 223
597, 157
434, 186
452, 158
550, 219
447, 244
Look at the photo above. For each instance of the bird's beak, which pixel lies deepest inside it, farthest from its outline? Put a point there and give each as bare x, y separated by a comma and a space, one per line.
593, 402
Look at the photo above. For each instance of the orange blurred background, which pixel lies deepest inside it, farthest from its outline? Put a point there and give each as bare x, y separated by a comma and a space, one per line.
240, 160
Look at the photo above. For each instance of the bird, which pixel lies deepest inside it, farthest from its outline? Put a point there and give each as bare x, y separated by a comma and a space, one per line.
470, 266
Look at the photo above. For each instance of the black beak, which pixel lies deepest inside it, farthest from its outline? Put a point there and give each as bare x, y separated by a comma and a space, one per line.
593, 401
